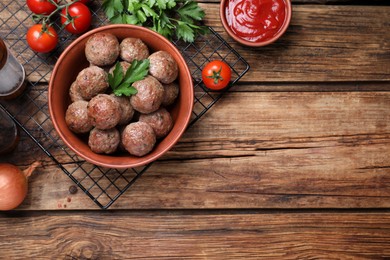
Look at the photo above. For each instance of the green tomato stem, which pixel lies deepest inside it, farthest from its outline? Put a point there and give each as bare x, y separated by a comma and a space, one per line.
216, 76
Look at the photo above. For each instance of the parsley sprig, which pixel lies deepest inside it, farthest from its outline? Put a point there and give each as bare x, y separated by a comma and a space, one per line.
120, 82
180, 18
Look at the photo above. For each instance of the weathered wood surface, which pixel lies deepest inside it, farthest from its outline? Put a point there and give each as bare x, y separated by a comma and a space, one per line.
257, 150
292, 163
324, 43
196, 235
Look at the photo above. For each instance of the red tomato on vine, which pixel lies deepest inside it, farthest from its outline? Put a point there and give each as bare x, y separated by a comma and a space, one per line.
44, 7
78, 19
216, 75
42, 38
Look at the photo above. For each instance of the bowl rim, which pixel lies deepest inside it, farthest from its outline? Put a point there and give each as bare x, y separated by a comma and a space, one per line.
177, 136
284, 27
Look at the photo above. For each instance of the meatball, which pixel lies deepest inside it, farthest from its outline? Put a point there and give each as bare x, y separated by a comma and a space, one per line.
133, 49
163, 67
92, 81
160, 120
125, 66
127, 111
76, 117
138, 138
149, 96
171, 91
104, 141
102, 49
74, 92
121, 148
104, 111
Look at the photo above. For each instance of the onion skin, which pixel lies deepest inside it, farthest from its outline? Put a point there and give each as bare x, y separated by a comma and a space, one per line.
14, 184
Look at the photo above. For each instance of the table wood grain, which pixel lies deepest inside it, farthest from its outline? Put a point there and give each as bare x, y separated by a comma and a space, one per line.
197, 235
292, 163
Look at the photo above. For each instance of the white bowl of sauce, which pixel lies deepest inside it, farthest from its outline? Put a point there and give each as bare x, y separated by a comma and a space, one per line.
255, 23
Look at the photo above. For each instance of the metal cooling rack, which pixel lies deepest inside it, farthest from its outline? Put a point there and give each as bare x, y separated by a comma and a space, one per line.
104, 186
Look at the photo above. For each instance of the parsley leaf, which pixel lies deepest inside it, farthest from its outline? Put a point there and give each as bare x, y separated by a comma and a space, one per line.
162, 4
116, 77
180, 18
121, 83
191, 11
185, 32
137, 71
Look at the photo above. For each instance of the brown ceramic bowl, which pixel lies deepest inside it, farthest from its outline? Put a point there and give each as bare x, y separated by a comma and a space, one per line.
73, 60
280, 32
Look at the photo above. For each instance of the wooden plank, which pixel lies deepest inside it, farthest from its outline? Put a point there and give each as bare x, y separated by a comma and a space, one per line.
312, 87
279, 150
324, 43
196, 235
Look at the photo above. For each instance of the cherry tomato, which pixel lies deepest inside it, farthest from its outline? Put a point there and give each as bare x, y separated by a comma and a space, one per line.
40, 39
41, 6
216, 75
78, 19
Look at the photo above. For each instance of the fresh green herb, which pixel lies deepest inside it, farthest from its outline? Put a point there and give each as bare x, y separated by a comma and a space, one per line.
120, 82
180, 18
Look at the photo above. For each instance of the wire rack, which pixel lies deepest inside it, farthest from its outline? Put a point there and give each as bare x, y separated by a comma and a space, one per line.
30, 111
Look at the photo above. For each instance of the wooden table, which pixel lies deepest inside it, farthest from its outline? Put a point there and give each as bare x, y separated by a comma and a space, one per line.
292, 162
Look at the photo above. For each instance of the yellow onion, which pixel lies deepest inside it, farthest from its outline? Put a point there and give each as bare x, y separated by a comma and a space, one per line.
14, 184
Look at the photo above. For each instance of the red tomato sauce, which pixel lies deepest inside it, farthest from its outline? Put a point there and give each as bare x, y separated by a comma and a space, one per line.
255, 20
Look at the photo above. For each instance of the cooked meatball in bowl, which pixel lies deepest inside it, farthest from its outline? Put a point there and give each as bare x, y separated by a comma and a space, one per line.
133, 49
160, 121
74, 92
104, 111
171, 91
150, 94
126, 109
163, 67
138, 138
91, 81
102, 49
113, 124
104, 141
77, 118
